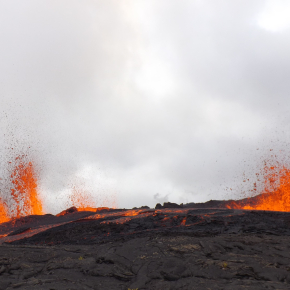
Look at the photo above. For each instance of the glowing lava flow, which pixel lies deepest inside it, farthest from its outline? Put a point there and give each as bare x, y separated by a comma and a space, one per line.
24, 193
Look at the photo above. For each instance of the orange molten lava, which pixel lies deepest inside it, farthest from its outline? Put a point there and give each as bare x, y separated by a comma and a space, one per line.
3, 213
81, 199
276, 193
24, 189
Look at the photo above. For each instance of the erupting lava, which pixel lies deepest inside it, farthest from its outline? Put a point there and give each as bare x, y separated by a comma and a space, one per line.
24, 199
81, 199
275, 195
24, 189
3, 213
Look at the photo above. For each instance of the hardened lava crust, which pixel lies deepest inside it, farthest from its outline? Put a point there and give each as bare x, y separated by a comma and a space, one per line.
169, 247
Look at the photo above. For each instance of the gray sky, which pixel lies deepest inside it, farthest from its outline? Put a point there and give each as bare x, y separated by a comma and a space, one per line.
146, 101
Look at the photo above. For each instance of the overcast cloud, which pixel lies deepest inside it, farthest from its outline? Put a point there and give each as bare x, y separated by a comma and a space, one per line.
145, 101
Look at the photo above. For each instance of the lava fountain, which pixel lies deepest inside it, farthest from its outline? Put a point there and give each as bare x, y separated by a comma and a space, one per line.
3, 213
23, 198
26, 200
81, 199
275, 195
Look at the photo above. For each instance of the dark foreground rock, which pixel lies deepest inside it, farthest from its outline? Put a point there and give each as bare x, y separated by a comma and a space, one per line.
226, 261
153, 249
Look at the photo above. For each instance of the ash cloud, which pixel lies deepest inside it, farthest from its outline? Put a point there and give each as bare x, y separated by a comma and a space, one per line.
141, 97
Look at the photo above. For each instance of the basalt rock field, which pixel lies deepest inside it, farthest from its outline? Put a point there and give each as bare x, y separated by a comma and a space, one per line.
172, 246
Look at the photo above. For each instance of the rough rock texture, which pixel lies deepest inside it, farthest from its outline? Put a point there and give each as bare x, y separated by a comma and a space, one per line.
152, 249
226, 261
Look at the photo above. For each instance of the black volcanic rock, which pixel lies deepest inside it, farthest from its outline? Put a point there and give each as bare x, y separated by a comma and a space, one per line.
194, 222
19, 231
171, 205
208, 204
157, 249
142, 207
168, 205
191, 246
68, 211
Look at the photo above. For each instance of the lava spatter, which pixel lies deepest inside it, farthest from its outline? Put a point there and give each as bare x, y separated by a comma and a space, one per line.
275, 195
3, 213
26, 200
81, 199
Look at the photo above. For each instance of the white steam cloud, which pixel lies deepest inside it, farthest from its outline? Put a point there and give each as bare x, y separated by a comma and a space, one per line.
143, 100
